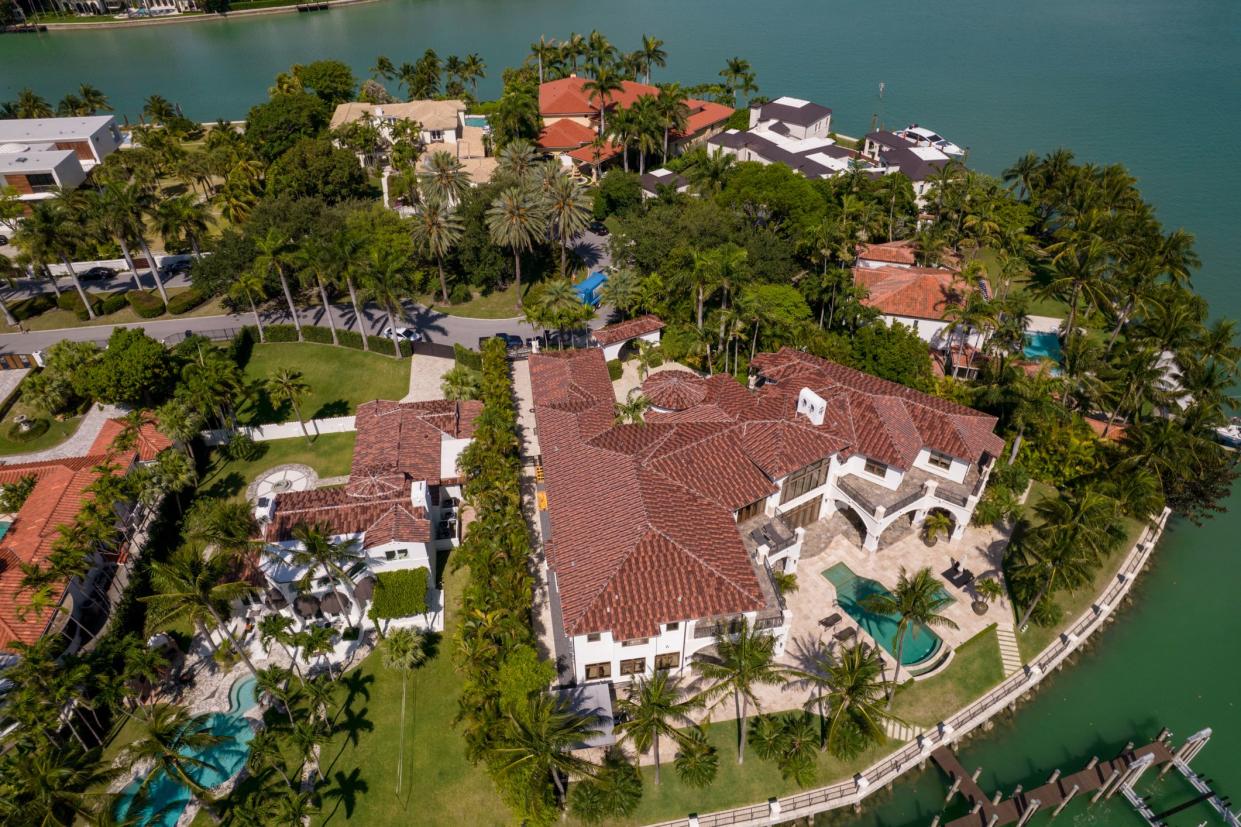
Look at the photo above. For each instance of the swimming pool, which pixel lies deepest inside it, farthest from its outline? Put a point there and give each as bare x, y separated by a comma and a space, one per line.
166, 797
4, 528
921, 644
1043, 345
476, 120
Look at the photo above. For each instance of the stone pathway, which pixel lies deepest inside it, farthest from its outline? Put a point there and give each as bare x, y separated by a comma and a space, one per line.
425, 375
1009, 653
76, 445
899, 731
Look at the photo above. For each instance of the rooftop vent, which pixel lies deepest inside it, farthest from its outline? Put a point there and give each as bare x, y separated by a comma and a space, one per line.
811, 405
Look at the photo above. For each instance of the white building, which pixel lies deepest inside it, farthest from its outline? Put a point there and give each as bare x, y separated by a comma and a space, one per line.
439, 122
661, 536
793, 132
892, 153
39, 155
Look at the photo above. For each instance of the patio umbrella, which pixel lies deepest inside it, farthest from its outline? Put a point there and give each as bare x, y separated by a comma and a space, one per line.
306, 605
364, 589
275, 599
333, 603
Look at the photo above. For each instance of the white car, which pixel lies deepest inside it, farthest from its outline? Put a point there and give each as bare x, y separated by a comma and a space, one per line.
926, 137
406, 333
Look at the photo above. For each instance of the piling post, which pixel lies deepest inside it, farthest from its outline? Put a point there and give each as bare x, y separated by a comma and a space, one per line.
1017, 790
977, 806
994, 818
1132, 773
956, 785
1099, 792
977, 773
1066, 800
995, 799
1054, 775
935, 821
1094, 762
1164, 734
1031, 809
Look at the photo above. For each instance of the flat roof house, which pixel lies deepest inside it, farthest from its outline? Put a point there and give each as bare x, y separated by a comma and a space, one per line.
661, 536
37, 155
892, 153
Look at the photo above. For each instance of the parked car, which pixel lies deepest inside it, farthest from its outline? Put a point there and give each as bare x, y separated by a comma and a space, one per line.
177, 268
97, 274
407, 333
598, 228
4, 239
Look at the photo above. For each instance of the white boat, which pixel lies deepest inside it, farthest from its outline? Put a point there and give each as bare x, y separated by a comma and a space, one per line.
922, 136
1230, 434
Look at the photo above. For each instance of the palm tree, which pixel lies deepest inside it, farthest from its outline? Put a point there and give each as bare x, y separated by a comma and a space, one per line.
544, 51
320, 257
316, 550
623, 131
55, 786
48, 232
190, 586
114, 209
855, 687
539, 741
569, 211
743, 661
403, 651
631, 410
286, 385
471, 70
437, 229
266, 753
250, 285
599, 52
916, 601
654, 708
182, 217
274, 681
673, 111
275, 253
517, 160
517, 219
738, 77
387, 280
648, 126
602, 85
443, 177
1079, 268
652, 54
30, 105
344, 247
169, 741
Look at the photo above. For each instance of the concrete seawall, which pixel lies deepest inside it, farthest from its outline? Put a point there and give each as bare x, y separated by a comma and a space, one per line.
188, 18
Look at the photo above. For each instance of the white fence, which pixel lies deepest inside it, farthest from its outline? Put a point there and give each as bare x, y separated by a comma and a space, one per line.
842, 794
285, 430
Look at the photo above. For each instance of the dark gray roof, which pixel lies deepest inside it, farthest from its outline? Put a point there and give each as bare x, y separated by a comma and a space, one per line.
908, 162
799, 115
889, 139
651, 182
775, 153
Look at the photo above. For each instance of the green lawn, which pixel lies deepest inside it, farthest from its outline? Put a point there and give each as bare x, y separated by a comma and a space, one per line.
56, 319
499, 304
57, 432
330, 455
340, 379
975, 668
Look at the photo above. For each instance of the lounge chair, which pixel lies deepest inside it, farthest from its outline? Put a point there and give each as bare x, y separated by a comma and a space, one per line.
967, 577
847, 633
830, 621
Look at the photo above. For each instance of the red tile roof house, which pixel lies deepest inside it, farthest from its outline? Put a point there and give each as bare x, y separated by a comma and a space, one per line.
613, 338
917, 297
398, 509
658, 535
59, 494
571, 120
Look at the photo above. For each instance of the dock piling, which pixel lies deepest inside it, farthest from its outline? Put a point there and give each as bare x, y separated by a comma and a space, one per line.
956, 785
1108, 783
1054, 775
1066, 800
1030, 810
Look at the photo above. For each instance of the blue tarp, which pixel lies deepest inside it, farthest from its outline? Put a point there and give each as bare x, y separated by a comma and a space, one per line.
587, 289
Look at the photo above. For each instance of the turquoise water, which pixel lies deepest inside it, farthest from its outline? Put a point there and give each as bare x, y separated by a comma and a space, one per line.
1043, 346
476, 120
166, 797
851, 591
4, 528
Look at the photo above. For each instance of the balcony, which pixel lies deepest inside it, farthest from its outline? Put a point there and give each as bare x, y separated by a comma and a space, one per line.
868, 496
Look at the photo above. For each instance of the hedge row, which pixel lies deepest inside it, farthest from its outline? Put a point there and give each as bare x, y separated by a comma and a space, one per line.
31, 307
465, 357
615, 369
146, 305
113, 302
183, 302
323, 336
400, 593
71, 301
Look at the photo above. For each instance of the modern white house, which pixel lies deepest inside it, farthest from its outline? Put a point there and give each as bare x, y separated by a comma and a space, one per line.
793, 132
917, 161
397, 512
39, 155
663, 535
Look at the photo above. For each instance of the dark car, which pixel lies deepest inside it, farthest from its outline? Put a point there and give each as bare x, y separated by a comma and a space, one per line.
4, 239
598, 228
178, 267
97, 274
510, 341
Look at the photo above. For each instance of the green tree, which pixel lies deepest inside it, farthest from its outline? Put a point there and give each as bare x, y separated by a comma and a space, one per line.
916, 601
182, 218
286, 385
275, 254
317, 551
436, 230
169, 739
314, 168
654, 708
517, 220
403, 651
251, 286
51, 786
272, 128
738, 78
601, 87
387, 280
613, 793
48, 233
538, 743
134, 369
568, 208
744, 660
331, 80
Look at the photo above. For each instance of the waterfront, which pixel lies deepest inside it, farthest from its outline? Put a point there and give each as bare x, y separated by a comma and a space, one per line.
1142, 83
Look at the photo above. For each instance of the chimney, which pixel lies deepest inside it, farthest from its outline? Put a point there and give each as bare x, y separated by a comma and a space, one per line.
811, 405
418, 494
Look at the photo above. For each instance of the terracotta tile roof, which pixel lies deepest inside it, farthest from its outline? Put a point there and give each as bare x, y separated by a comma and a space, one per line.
628, 329
565, 134
894, 252
388, 519
58, 496
674, 390
587, 155
917, 292
429, 114
149, 443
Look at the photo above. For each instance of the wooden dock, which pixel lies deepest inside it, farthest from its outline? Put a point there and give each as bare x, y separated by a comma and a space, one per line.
987, 812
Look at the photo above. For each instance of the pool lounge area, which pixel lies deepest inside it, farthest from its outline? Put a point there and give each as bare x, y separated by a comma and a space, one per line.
921, 647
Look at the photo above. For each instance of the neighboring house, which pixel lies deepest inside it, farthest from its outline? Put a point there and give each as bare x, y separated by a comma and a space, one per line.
398, 510
918, 297
145, 9
39, 155
793, 132
662, 535
614, 337
571, 121
440, 122
30, 534
660, 179
893, 153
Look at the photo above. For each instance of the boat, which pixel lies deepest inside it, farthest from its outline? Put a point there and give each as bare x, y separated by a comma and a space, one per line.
922, 136
1230, 435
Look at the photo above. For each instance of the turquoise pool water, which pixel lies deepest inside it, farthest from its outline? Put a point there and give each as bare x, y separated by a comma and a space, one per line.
1043, 346
476, 120
921, 643
166, 798
4, 528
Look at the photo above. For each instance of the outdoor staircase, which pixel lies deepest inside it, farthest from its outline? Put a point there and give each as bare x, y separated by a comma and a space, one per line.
899, 731
1010, 655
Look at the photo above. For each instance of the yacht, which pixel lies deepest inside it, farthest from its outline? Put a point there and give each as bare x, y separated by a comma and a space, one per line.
925, 137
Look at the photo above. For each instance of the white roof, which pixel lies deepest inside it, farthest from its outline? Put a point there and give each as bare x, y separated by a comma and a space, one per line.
928, 153
34, 161
837, 164
797, 146
787, 101
52, 129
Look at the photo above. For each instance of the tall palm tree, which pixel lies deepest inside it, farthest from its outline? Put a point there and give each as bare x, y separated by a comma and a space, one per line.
47, 233
169, 740
855, 687
602, 86
916, 601
743, 661
517, 160
473, 69
276, 254
190, 586
648, 127
600, 52
517, 219
286, 385
251, 286
386, 274
403, 651
30, 105
569, 211
437, 229
443, 177
623, 131
55, 786
316, 550
113, 209
539, 741
654, 708
653, 54
1079, 270
319, 259
544, 51
343, 252
673, 111
182, 217
738, 77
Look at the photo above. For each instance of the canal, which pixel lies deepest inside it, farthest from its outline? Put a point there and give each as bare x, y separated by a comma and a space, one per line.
1152, 84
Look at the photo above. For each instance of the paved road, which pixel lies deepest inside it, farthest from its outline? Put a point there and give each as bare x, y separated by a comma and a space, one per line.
441, 327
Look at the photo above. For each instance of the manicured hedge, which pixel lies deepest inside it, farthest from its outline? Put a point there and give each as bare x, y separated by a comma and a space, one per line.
146, 305
400, 593
31, 307
38, 428
70, 300
615, 369
186, 301
113, 302
465, 357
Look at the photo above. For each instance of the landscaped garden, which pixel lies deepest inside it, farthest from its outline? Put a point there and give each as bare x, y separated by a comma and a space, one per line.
329, 454
975, 668
54, 432
339, 379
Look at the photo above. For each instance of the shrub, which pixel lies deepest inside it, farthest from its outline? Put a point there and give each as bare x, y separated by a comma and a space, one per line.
467, 358
33, 306
146, 305
38, 427
114, 302
615, 369
243, 447
655, 359
242, 346
280, 333
70, 300
183, 302
383, 344
401, 593
460, 293
319, 335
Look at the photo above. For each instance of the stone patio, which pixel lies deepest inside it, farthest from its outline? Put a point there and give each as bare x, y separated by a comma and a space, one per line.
425, 375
